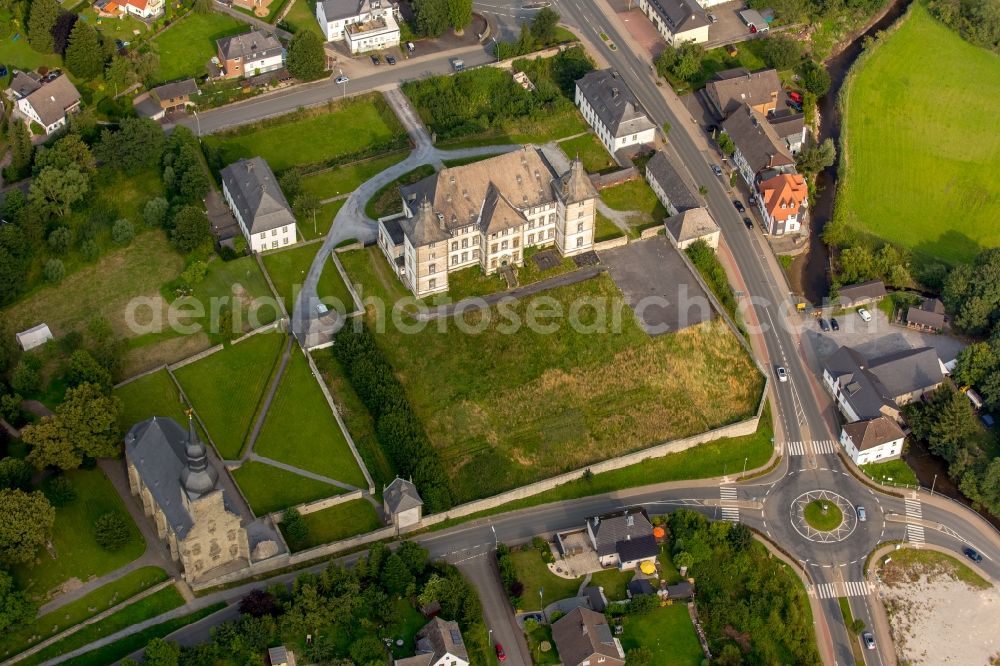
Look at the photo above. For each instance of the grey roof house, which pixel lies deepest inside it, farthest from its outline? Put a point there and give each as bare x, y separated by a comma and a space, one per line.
610, 107
691, 226
439, 642
730, 89
862, 293
668, 184
677, 20
259, 205
50, 104
869, 388
928, 316
622, 538
758, 146
583, 636
401, 503
23, 84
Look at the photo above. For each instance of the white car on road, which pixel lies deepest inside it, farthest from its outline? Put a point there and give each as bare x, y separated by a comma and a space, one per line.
864, 314
782, 374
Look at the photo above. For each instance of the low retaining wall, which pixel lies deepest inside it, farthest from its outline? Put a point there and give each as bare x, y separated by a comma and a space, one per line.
614, 178
358, 306
197, 357
274, 326
318, 505
611, 243
139, 376
654, 230
356, 245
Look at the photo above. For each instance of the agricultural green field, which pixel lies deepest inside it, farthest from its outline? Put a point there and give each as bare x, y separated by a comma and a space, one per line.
508, 409
923, 151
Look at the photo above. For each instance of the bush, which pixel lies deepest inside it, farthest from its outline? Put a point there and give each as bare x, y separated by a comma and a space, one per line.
155, 212
111, 531
122, 232
58, 490
295, 529
60, 239
25, 378
54, 270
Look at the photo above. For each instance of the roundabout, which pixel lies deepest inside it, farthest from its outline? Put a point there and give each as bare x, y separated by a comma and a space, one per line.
823, 516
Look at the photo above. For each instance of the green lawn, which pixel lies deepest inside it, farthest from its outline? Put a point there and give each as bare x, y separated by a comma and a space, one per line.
614, 583
155, 604
152, 395
339, 522
300, 429
208, 383
922, 147
242, 282
635, 195
186, 46
535, 576
668, 633
125, 646
605, 229
558, 125
388, 200
410, 622
314, 136
819, 520
288, 269
591, 152
301, 16
77, 555
893, 471
311, 229
113, 28
472, 281
507, 408
77, 611
345, 179
542, 634
17, 53
270, 489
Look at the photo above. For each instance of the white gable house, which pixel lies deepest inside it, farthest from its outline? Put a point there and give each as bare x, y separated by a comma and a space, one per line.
366, 25
260, 208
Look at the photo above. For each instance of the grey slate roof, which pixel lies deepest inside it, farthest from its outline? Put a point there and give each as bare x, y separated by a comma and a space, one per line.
612, 528
732, 88
395, 230
870, 385
158, 448
860, 293
640, 586
930, 313
437, 638
256, 193
341, 9
787, 124
614, 103
401, 495
582, 634
666, 175
424, 227
638, 548
908, 370
24, 83
691, 225
52, 99
756, 140
574, 185
680, 15
598, 601
168, 91
681, 590
253, 45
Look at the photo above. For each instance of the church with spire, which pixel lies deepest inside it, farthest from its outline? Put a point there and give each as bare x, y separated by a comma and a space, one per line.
170, 472
487, 213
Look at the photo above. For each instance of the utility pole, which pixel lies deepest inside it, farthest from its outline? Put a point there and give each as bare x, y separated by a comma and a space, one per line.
745, 465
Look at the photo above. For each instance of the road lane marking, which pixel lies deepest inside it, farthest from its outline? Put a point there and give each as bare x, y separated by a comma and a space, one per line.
729, 494
859, 588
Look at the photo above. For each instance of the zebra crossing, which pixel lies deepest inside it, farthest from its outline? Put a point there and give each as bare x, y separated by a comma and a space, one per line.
858, 588
730, 513
914, 533
822, 447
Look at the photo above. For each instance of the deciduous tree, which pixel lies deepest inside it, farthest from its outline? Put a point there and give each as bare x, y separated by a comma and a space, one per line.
25, 524
190, 229
814, 159
306, 57
431, 16
138, 142
16, 607
54, 191
84, 425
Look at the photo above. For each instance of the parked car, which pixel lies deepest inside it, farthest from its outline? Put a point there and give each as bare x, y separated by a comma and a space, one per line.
864, 314
341, 79
752, 200
391, 60
410, 47
747, 221
3, 70
501, 655
869, 640
795, 105
459, 65
739, 205
717, 169
795, 97
782, 374
712, 18
376, 60
834, 324
823, 326
972, 554
862, 515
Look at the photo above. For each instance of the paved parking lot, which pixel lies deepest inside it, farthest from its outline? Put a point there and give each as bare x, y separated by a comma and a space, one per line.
657, 285
877, 337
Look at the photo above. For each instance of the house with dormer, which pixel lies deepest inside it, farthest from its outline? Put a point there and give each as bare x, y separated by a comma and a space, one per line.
364, 25
783, 203
258, 204
612, 109
439, 643
487, 214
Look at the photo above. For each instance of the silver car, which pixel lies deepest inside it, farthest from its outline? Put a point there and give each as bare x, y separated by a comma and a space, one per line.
869, 640
862, 515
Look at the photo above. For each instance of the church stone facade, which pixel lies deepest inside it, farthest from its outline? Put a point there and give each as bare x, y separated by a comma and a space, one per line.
169, 470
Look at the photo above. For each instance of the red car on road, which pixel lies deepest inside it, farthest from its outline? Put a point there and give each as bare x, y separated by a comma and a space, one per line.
501, 655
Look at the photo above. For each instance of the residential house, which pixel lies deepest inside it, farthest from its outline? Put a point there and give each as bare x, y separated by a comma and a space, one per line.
791, 127
928, 316
169, 470
487, 214
758, 147
168, 98
691, 226
49, 104
142, 9
865, 389
872, 440
731, 89
365, 25
668, 185
862, 293
249, 54
22, 85
610, 107
783, 202
401, 503
584, 638
260, 207
439, 643
677, 21
280, 656
36, 336
622, 539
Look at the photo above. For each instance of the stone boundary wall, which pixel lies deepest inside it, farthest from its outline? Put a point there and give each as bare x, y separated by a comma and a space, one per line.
133, 378
611, 243
340, 423
358, 307
649, 232
273, 326
356, 245
318, 505
197, 357
601, 181
546, 53
274, 290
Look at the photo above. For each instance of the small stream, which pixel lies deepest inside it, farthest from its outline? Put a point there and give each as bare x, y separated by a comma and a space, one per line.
814, 269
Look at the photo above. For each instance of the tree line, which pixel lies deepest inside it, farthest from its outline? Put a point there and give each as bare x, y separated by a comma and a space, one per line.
398, 430
977, 21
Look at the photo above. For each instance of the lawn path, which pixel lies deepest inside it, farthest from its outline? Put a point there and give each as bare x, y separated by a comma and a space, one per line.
302, 472
285, 358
